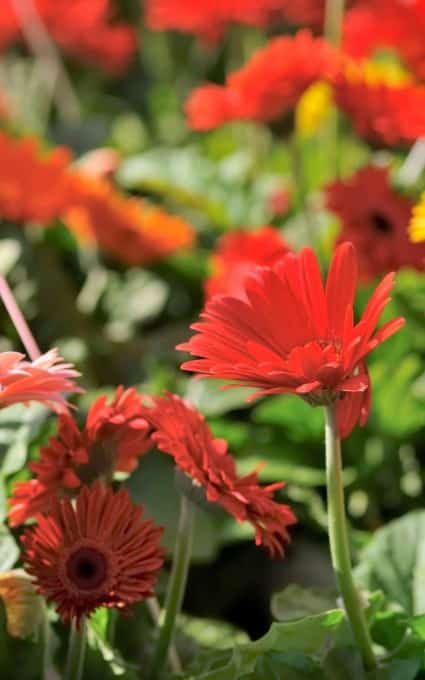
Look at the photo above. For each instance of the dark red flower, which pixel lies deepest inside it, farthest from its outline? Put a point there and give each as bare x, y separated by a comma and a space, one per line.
237, 253
268, 86
290, 334
114, 438
182, 432
375, 217
98, 553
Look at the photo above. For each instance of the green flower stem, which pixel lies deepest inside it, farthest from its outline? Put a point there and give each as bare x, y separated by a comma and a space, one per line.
338, 537
334, 15
76, 652
176, 585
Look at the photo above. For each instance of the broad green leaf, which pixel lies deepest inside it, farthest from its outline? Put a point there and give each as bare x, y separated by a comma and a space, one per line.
9, 551
394, 562
210, 397
296, 602
302, 422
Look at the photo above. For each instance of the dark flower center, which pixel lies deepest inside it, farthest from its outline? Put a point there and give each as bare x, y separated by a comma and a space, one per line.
381, 223
87, 568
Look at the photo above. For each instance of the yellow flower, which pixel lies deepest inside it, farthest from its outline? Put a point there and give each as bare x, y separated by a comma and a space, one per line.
386, 72
313, 108
417, 222
24, 608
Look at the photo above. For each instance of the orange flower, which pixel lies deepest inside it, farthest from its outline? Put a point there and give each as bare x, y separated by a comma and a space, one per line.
33, 187
24, 608
128, 229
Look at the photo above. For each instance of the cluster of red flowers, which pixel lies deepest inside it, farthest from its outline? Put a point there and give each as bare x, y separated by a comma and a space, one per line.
268, 86
181, 431
313, 348
87, 30
237, 253
375, 217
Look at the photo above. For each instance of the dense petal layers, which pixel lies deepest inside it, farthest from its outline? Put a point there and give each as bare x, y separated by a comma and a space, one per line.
374, 217
182, 432
98, 553
268, 86
114, 438
128, 229
237, 253
290, 334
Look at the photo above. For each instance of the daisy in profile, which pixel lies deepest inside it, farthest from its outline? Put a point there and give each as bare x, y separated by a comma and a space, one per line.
182, 432
290, 334
45, 380
96, 553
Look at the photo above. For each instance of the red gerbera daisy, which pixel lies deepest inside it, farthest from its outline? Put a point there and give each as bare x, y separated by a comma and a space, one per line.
182, 432
289, 334
115, 436
268, 86
375, 219
44, 380
381, 113
236, 255
98, 553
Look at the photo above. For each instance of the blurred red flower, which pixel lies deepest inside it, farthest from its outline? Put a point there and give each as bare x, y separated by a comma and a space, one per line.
87, 30
128, 229
182, 432
98, 553
210, 18
290, 334
114, 438
382, 113
382, 24
27, 177
45, 380
268, 86
237, 253
375, 218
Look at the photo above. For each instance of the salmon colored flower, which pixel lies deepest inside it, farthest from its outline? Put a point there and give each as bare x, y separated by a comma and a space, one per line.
44, 380
128, 229
237, 253
268, 86
182, 432
290, 334
26, 180
98, 553
375, 217
114, 438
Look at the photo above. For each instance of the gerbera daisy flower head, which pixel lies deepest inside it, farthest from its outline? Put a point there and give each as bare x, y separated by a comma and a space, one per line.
128, 229
26, 179
381, 110
96, 553
114, 438
268, 86
182, 432
237, 252
45, 380
290, 334
374, 217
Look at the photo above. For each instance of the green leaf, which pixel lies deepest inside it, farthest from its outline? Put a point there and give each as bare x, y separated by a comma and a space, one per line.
296, 602
278, 665
210, 397
97, 631
302, 422
19, 426
394, 562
